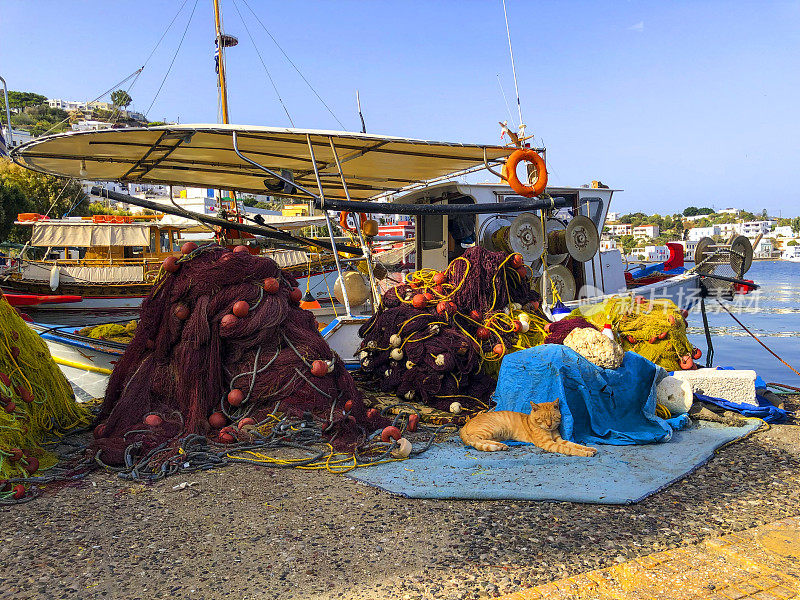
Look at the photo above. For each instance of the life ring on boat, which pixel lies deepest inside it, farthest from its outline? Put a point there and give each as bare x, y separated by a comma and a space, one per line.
343, 220
510, 172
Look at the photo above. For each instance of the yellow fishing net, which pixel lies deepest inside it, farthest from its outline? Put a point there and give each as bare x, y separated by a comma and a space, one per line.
656, 329
115, 332
36, 401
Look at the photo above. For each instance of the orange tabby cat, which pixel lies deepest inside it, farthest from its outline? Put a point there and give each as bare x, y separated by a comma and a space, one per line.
486, 431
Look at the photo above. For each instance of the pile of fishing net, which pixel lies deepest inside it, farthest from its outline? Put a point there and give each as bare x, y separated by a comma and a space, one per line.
222, 345
36, 404
656, 329
112, 332
438, 338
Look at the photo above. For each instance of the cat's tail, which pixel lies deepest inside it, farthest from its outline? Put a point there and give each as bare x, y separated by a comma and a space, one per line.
480, 443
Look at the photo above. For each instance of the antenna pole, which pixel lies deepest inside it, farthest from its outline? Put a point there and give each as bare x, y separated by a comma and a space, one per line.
358, 102
223, 89
514, 71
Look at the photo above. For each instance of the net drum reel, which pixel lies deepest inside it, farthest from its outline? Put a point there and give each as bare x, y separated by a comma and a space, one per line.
562, 280
727, 260
523, 235
578, 239
556, 228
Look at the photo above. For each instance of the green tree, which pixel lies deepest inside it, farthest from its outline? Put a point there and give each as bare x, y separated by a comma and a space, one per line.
795, 225
121, 98
693, 211
627, 242
43, 194
12, 202
22, 99
792, 243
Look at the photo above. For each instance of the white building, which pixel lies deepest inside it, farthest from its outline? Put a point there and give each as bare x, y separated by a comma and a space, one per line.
729, 229
89, 125
782, 231
696, 218
755, 228
20, 136
689, 247
646, 231
620, 229
729, 211
697, 233
611, 217
607, 244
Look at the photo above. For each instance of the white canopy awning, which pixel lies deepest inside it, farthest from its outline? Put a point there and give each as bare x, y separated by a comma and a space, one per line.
84, 235
203, 156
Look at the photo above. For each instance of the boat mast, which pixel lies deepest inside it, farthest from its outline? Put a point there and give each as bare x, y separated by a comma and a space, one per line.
223, 89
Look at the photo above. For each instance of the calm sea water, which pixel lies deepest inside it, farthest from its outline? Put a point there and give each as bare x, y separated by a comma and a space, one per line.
771, 312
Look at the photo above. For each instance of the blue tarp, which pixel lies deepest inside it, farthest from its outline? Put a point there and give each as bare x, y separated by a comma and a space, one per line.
616, 475
765, 409
598, 406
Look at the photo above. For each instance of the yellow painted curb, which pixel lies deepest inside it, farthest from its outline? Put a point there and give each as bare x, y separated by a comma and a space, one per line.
760, 564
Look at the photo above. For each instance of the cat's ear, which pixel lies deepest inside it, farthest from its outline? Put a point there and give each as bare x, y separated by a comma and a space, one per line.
534, 406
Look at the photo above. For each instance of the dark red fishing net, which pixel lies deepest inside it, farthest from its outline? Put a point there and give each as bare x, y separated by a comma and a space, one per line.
190, 352
557, 332
433, 351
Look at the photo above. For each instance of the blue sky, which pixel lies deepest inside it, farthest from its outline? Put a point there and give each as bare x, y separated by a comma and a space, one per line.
676, 103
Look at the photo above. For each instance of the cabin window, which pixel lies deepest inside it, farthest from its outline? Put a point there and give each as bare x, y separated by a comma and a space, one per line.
164, 241
132, 251
431, 232
153, 242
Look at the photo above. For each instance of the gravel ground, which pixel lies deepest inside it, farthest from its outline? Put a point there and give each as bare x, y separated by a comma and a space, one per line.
254, 532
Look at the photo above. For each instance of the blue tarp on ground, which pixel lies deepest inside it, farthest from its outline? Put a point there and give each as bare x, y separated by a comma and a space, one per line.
616, 475
598, 406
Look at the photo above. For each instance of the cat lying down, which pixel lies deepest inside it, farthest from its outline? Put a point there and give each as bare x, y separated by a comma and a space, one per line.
487, 431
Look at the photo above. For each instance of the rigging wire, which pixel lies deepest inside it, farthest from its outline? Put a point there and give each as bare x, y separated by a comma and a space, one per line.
286, 56
508, 108
178, 49
263, 64
111, 89
514, 71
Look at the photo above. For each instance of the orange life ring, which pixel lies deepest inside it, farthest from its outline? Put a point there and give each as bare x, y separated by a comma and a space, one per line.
510, 171
343, 220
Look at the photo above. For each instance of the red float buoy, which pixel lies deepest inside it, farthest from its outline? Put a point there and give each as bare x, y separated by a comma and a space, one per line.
245, 422
439, 278
390, 433
438, 289
240, 308
296, 295
475, 315
372, 413
99, 431
14, 352
686, 362
5, 379
271, 285
441, 308
32, 465
182, 311
229, 321
413, 422
518, 261
19, 492
319, 368
663, 335
153, 420
547, 327
170, 264
428, 296
10, 407
684, 313
697, 353
517, 326
16, 454
451, 307
25, 394
188, 247
631, 339
217, 420
235, 397
348, 406
482, 333
418, 301
226, 438
498, 349
241, 248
